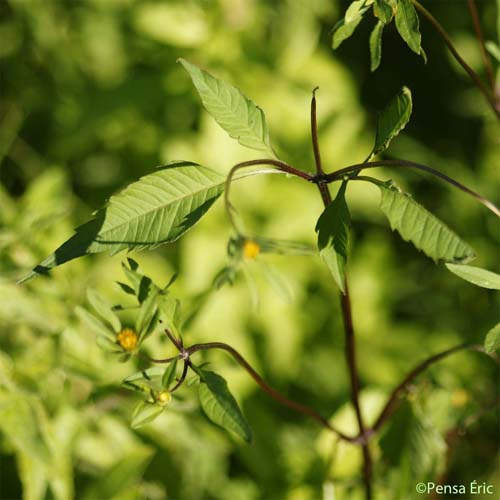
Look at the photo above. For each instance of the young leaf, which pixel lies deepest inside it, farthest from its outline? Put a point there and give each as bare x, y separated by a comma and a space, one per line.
146, 313
414, 223
94, 324
146, 379
383, 10
492, 340
476, 276
376, 45
220, 406
345, 27
144, 413
103, 309
232, 110
156, 209
407, 24
392, 120
169, 374
333, 228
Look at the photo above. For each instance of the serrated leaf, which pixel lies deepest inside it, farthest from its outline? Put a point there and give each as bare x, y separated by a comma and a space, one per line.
346, 26
392, 120
333, 228
144, 413
220, 406
157, 209
169, 374
407, 24
492, 340
103, 309
376, 45
232, 110
416, 224
383, 10
476, 276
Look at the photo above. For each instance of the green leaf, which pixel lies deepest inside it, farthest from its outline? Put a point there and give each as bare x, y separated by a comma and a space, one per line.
146, 379
392, 120
476, 276
220, 406
232, 110
146, 313
492, 340
376, 45
157, 209
345, 27
407, 25
493, 49
144, 413
103, 309
334, 228
383, 10
94, 324
416, 224
169, 374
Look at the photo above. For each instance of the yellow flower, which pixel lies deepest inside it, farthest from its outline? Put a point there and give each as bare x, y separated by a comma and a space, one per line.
250, 249
459, 398
127, 339
163, 398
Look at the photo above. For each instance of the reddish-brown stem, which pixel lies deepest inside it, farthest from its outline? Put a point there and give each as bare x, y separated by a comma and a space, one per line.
480, 38
447, 40
314, 134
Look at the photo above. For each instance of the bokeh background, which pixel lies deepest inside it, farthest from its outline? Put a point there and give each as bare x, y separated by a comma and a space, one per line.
91, 98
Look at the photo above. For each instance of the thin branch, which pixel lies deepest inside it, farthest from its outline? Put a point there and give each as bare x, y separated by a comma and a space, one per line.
182, 377
447, 40
303, 409
394, 398
340, 174
314, 134
480, 38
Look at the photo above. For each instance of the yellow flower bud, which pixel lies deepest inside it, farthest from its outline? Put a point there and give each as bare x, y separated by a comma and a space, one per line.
163, 398
250, 249
127, 339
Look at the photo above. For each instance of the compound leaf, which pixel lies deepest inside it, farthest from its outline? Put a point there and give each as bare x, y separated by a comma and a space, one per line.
476, 276
416, 224
220, 406
333, 228
156, 209
232, 110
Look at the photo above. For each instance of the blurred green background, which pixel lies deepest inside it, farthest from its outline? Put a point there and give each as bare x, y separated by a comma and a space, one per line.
91, 99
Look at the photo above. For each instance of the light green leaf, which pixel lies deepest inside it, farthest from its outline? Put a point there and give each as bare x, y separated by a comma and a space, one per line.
103, 309
392, 120
334, 228
492, 340
416, 224
493, 49
376, 45
157, 209
345, 27
144, 413
476, 275
169, 374
146, 379
384, 10
232, 110
94, 324
146, 313
220, 406
407, 25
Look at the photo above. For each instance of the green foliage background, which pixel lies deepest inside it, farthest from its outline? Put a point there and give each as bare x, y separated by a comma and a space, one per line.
91, 99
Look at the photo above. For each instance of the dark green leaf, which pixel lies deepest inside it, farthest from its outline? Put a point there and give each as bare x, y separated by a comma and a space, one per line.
384, 10
345, 28
232, 110
333, 228
376, 45
492, 340
407, 24
144, 413
476, 276
414, 223
220, 406
157, 209
392, 120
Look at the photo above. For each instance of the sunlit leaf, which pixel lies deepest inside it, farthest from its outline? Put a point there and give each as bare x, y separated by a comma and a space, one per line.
333, 228
220, 406
493, 49
144, 413
345, 27
392, 120
104, 309
376, 45
156, 209
232, 110
416, 224
476, 275
407, 25
146, 313
492, 340
169, 374
94, 324
146, 379
383, 10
